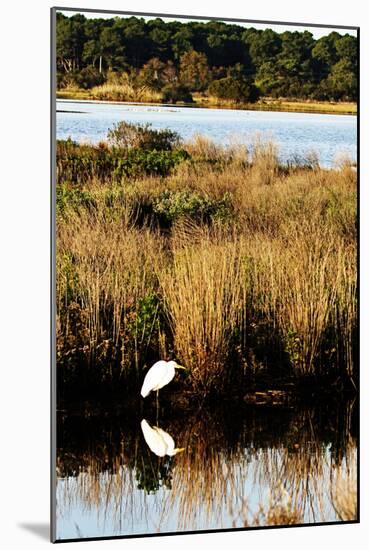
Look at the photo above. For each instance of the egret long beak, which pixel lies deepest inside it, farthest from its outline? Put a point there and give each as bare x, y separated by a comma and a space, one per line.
180, 367
176, 451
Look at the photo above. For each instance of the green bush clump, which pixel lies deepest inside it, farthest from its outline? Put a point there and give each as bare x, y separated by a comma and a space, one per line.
151, 163
64, 80
126, 135
80, 163
174, 93
72, 197
172, 205
235, 89
86, 78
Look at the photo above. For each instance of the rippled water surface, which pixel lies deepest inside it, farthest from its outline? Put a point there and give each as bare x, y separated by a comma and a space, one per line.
295, 133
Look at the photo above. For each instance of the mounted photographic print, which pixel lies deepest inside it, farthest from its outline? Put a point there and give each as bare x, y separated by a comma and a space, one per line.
204, 253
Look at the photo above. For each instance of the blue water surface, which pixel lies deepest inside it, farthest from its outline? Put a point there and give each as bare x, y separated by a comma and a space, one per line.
296, 134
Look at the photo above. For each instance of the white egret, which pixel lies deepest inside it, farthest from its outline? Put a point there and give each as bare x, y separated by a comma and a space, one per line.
159, 441
159, 375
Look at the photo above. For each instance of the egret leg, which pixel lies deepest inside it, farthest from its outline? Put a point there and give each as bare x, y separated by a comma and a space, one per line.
157, 407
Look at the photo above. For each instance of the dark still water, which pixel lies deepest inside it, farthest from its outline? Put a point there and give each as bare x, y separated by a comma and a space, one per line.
237, 467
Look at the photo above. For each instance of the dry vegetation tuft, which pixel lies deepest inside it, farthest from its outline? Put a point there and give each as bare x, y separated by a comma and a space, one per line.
187, 263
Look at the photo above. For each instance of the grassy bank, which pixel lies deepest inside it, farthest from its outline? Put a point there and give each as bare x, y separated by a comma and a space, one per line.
281, 104
115, 93
237, 266
327, 107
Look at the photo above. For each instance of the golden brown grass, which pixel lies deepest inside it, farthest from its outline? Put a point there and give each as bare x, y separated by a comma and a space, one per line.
341, 107
264, 161
205, 294
286, 247
282, 104
119, 87
124, 92
105, 266
300, 276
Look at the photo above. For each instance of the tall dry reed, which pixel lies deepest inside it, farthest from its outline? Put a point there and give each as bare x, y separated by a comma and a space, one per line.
204, 292
283, 242
299, 278
125, 92
264, 159
105, 266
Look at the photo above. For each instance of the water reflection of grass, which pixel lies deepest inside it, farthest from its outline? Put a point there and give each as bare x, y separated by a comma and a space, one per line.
262, 468
224, 258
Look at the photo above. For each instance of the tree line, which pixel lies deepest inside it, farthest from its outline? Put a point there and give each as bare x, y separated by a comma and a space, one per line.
224, 60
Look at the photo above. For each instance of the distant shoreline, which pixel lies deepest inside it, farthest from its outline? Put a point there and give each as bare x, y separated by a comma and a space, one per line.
267, 104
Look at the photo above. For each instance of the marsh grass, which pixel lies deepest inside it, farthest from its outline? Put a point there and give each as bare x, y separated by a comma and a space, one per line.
124, 92
205, 293
303, 289
345, 314
228, 249
264, 160
105, 271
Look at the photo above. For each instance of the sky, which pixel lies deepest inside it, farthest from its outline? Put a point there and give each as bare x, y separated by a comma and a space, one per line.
317, 32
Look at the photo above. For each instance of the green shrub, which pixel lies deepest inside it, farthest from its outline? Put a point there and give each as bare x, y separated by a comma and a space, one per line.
64, 80
80, 163
126, 135
150, 163
174, 93
88, 78
72, 197
238, 89
171, 205
85, 78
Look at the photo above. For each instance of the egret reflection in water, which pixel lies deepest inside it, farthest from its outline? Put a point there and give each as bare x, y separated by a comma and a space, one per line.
160, 442
114, 482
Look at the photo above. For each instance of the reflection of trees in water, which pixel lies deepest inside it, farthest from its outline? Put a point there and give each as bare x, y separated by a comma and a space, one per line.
292, 457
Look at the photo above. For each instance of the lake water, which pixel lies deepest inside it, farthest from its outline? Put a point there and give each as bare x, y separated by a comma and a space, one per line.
238, 467
296, 133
